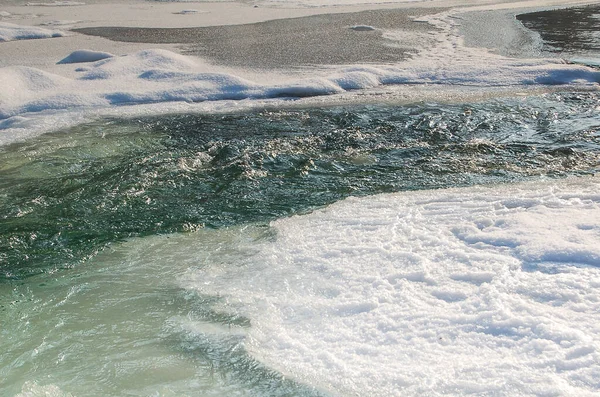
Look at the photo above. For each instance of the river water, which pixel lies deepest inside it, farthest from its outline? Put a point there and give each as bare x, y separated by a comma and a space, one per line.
178, 255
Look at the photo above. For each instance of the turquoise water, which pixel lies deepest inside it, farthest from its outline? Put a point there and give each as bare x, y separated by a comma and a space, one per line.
67, 195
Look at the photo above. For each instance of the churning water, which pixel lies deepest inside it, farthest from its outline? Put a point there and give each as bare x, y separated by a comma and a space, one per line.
65, 196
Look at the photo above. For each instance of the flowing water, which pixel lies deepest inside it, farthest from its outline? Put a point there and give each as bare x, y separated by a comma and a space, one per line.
65, 196
99, 313
570, 32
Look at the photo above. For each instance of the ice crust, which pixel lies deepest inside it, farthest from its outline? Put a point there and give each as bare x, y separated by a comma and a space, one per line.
483, 290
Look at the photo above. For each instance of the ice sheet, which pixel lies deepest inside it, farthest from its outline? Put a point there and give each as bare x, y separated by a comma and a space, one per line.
483, 290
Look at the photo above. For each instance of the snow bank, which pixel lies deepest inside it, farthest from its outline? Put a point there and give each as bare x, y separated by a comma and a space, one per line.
161, 76
10, 32
482, 290
154, 76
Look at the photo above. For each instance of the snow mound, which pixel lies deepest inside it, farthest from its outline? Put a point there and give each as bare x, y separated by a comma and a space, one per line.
10, 32
140, 62
362, 28
22, 81
82, 56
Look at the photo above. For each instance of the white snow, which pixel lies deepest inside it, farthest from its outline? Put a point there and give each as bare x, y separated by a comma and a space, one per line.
482, 290
161, 76
65, 22
56, 4
83, 56
10, 31
362, 28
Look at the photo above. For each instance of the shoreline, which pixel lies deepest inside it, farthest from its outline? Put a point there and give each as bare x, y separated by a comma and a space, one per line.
211, 21
402, 55
221, 16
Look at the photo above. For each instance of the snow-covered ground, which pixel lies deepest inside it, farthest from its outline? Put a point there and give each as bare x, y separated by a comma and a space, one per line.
46, 81
10, 32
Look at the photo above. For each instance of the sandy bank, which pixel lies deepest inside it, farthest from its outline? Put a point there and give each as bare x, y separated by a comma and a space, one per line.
333, 39
259, 34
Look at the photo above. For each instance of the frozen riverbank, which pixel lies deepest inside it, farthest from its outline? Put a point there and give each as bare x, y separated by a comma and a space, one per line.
427, 51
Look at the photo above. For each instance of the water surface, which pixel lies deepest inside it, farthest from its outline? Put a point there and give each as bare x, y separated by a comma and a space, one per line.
91, 274
65, 196
571, 31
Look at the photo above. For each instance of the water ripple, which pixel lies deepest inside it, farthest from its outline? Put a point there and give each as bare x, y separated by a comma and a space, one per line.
67, 195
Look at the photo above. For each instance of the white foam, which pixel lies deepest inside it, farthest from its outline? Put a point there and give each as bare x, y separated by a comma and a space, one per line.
56, 4
10, 32
483, 290
32, 389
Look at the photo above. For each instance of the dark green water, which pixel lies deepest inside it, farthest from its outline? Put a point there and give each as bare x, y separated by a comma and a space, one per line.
570, 31
67, 195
